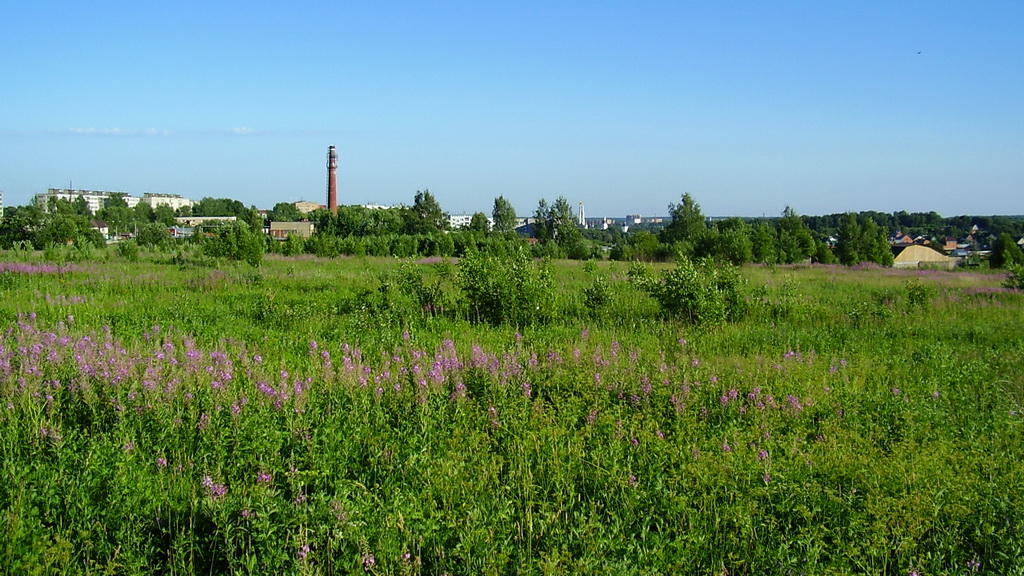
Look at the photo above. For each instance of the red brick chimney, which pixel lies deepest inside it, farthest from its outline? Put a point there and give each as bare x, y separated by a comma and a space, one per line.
332, 180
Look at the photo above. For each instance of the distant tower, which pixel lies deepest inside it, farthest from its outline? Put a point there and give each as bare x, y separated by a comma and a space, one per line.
583, 216
332, 180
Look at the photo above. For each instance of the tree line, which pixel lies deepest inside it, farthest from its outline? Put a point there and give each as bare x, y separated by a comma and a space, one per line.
552, 231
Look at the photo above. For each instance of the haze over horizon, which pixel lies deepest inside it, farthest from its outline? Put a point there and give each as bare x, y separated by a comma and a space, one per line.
749, 107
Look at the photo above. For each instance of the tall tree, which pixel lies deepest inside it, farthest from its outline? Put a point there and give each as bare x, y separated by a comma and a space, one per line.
1005, 252
479, 223
763, 243
849, 248
795, 241
542, 229
285, 212
504, 216
425, 216
686, 226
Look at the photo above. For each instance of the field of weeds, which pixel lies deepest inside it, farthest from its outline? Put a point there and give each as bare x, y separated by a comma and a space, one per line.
365, 416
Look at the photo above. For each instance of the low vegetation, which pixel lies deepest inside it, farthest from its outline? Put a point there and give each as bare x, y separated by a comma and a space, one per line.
166, 412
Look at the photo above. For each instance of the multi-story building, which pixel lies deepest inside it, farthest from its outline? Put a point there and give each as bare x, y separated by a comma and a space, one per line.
94, 199
175, 201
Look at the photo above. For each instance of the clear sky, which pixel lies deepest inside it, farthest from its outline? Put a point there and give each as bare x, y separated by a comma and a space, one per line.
749, 106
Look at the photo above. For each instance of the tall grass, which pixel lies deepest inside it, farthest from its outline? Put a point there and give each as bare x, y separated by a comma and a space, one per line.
304, 419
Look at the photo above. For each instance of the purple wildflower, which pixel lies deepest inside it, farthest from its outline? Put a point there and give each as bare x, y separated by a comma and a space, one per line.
214, 490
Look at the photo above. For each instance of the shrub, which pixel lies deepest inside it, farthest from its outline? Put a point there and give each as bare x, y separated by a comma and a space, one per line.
506, 290
128, 250
1014, 277
597, 296
697, 291
237, 242
918, 294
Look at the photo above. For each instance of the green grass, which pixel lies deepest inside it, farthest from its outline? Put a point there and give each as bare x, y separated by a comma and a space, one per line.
310, 417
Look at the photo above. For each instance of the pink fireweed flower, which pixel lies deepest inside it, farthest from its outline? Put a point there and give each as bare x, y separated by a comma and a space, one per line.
213, 489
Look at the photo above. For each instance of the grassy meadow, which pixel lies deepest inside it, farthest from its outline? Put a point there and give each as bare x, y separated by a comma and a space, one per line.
351, 416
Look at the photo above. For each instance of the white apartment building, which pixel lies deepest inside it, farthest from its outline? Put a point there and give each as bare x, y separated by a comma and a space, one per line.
95, 199
175, 201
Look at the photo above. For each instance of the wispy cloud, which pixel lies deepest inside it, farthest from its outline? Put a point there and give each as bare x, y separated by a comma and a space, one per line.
118, 131
241, 131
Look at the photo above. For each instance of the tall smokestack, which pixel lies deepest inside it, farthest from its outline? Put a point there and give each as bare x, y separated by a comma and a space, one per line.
332, 180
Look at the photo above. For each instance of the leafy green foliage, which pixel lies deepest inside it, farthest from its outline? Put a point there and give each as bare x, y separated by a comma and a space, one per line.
425, 215
1005, 252
1014, 277
237, 242
696, 291
504, 216
300, 420
508, 289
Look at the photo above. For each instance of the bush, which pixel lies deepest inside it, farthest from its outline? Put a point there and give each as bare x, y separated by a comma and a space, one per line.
128, 250
597, 297
506, 290
1014, 277
697, 291
237, 242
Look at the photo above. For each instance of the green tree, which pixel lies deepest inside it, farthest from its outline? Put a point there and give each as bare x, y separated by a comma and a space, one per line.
795, 243
565, 231
142, 213
81, 206
152, 234
115, 201
164, 214
876, 245
687, 224
425, 215
727, 241
1005, 252
19, 225
119, 217
237, 241
762, 240
850, 246
542, 229
219, 207
479, 223
285, 212
504, 216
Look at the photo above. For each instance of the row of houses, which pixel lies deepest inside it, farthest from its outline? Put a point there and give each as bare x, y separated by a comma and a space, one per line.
918, 251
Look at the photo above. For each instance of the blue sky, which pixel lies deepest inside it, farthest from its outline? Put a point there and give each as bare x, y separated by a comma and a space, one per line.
748, 106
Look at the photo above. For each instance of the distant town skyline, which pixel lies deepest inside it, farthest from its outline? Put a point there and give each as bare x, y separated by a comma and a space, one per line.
749, 107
